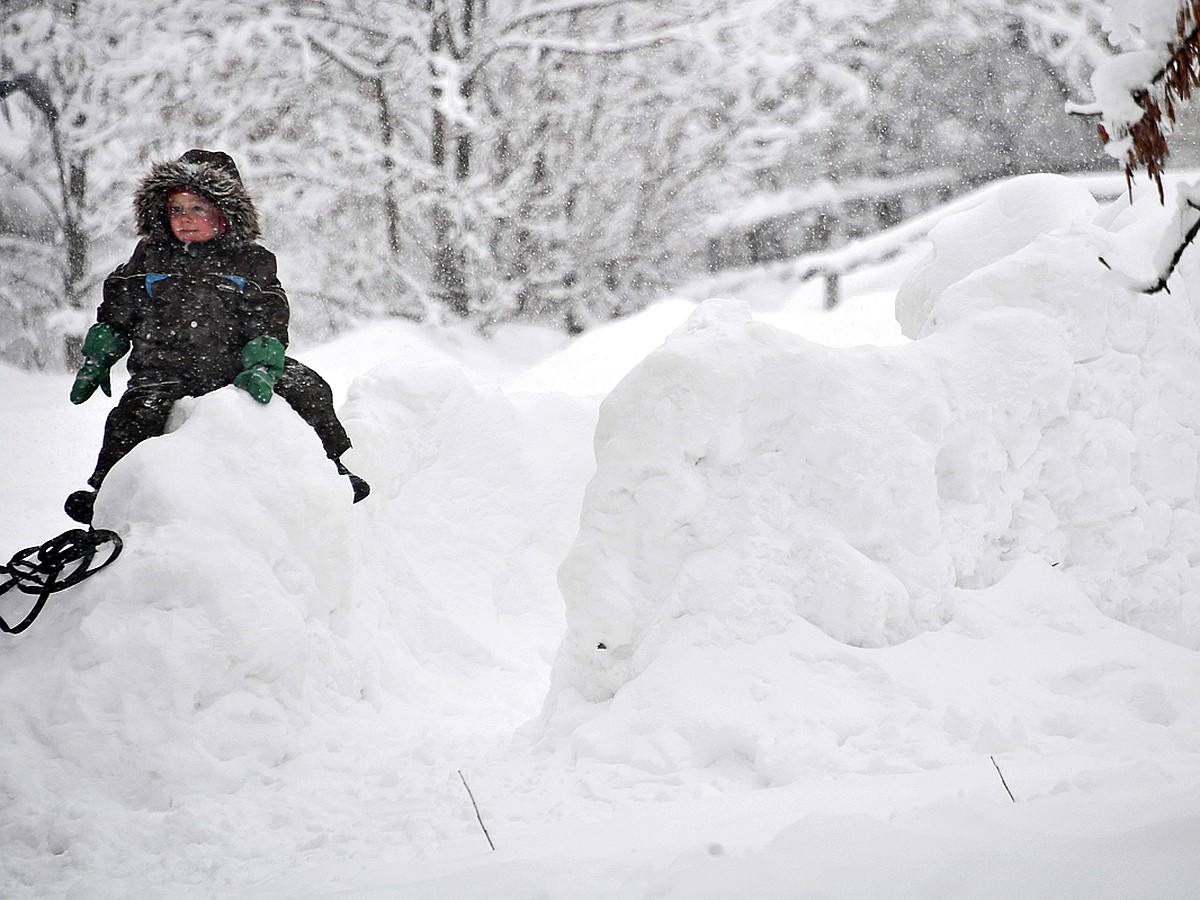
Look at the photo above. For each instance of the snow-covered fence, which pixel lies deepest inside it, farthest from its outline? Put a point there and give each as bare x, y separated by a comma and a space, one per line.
816, 217
835, 263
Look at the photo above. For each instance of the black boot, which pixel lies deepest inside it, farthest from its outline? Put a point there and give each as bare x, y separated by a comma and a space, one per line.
79, 506
361, 488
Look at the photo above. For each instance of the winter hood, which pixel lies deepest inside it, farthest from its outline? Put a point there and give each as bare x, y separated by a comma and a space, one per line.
209, 173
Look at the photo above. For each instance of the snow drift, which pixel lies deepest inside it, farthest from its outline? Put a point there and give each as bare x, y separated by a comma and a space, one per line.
175, 685
218, 692
1115, 500
763, 508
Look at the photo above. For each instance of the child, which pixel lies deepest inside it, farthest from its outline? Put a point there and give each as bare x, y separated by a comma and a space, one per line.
201, 307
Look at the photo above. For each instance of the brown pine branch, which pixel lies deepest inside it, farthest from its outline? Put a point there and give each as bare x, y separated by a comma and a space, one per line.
1172, 84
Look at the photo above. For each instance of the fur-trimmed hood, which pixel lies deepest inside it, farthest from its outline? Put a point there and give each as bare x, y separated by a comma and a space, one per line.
212, 175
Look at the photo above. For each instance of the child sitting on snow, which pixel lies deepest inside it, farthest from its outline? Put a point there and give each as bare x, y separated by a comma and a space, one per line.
201, 307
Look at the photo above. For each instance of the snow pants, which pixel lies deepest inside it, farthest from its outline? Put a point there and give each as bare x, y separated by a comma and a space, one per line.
143, 411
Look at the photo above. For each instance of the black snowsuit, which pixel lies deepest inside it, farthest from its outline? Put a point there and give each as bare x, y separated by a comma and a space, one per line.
189, 309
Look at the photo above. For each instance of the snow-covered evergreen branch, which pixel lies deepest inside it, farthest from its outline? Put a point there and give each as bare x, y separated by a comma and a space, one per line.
1138, 91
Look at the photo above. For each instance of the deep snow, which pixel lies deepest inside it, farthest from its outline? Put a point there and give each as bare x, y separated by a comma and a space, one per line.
843, 583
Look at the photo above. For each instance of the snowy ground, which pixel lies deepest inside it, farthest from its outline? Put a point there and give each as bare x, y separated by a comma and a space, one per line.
880, 618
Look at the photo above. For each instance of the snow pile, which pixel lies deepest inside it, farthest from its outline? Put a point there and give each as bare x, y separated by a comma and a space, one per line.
764, 507
238, 684
1114, 496
191, 670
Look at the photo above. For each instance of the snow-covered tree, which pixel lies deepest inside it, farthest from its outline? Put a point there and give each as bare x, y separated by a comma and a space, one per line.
60, 131
545, 159
601, 156
1139, 90
553, 153
882, 108
493, 159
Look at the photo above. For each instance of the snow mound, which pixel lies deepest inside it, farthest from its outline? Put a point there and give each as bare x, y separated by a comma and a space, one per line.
195, 663
762, 504
261, 598
746, 473
243, 679
1117, 491
1003, 221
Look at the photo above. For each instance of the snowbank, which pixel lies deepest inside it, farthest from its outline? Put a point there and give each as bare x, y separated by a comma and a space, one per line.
269, 669
157, 699
763, 508
1116, 496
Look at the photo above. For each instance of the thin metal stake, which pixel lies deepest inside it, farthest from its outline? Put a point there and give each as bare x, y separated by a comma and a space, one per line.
1002, 781
476, 805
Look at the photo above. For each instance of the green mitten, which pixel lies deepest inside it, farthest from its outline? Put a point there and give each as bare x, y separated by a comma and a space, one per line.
101, 348
90, 376
262, 361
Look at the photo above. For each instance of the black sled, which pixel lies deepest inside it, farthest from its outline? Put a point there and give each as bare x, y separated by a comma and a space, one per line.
56, 565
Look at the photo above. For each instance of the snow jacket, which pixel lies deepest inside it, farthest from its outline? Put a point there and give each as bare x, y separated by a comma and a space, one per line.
190, 309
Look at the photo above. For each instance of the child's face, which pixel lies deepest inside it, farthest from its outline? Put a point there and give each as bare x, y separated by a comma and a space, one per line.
193, 219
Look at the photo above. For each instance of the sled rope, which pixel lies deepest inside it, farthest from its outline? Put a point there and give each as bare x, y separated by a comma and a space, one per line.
56, 565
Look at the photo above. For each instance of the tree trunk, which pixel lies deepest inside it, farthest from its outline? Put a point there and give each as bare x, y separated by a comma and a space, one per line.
387, 131
448, 260
72, 186
74, 237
